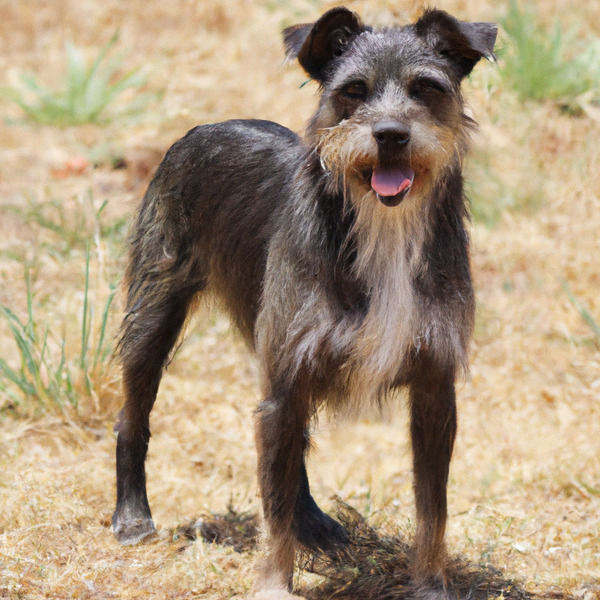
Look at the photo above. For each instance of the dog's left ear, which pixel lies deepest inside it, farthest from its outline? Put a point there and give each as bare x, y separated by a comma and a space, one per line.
315, 45
462, 42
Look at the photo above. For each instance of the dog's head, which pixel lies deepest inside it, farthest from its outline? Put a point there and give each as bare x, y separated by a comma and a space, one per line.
391, 115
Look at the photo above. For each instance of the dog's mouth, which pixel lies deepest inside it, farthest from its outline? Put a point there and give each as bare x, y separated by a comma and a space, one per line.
391, 184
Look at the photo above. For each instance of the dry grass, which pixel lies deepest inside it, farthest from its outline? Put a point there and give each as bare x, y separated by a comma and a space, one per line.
524, 495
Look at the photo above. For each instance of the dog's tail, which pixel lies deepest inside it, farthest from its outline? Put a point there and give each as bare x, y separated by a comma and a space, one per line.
161, 279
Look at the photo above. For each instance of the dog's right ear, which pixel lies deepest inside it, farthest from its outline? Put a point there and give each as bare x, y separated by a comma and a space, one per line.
316, 44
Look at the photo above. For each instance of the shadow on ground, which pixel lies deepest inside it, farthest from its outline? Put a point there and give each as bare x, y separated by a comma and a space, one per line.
374, 566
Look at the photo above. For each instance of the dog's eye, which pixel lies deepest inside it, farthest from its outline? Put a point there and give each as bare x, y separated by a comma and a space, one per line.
424, 86
356, 90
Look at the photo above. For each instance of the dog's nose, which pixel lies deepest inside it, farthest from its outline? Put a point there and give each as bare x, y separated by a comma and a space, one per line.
390, 134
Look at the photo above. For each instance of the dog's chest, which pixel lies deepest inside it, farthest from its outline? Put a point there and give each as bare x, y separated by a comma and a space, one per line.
392, 326
402, 320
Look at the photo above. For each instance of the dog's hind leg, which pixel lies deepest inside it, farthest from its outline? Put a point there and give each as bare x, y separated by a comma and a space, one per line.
433, 429
164, 273
150, 331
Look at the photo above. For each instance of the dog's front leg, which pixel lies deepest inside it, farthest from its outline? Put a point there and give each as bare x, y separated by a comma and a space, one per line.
280, 426
433, 429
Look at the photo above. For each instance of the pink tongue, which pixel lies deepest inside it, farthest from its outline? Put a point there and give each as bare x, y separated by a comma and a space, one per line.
389, 182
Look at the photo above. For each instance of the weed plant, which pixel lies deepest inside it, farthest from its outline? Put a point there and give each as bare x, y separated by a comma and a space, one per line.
55, 374
48, 379
87, 89
548, 65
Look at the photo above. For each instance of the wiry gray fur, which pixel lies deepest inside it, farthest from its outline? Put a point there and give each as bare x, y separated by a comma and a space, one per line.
346, 290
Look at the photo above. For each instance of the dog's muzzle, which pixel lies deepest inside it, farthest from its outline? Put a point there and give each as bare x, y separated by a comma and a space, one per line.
393, 180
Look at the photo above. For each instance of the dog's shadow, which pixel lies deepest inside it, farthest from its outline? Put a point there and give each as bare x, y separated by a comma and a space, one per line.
373, 566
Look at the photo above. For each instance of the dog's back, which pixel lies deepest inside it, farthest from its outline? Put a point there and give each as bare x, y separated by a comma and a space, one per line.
209, 214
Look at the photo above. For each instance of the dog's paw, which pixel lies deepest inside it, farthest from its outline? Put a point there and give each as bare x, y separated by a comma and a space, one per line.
129, 532
436, 591
317, 531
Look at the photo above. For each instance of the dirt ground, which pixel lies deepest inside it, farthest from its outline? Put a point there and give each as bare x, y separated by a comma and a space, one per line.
524, 492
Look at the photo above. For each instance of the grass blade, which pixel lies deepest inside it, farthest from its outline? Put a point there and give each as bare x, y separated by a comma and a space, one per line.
85, 328
101, 352
7, 372
584, 313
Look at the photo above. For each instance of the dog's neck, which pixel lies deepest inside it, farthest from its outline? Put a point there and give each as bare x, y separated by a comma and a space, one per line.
353, 219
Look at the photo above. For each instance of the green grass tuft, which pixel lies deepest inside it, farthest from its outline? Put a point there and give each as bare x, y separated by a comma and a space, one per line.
548, 65
54, 374
48, 380
87, 89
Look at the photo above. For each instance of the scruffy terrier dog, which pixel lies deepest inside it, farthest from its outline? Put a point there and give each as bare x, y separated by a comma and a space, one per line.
342, 257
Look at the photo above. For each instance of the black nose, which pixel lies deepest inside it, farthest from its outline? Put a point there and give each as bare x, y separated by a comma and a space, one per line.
390, 133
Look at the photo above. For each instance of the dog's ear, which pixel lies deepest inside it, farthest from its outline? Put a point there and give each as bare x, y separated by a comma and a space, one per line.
462, 42
315, 45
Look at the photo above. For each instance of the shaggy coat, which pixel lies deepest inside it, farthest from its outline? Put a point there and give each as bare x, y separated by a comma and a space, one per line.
341, 257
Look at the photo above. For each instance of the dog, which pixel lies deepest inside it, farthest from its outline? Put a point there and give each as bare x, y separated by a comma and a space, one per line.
341, 256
